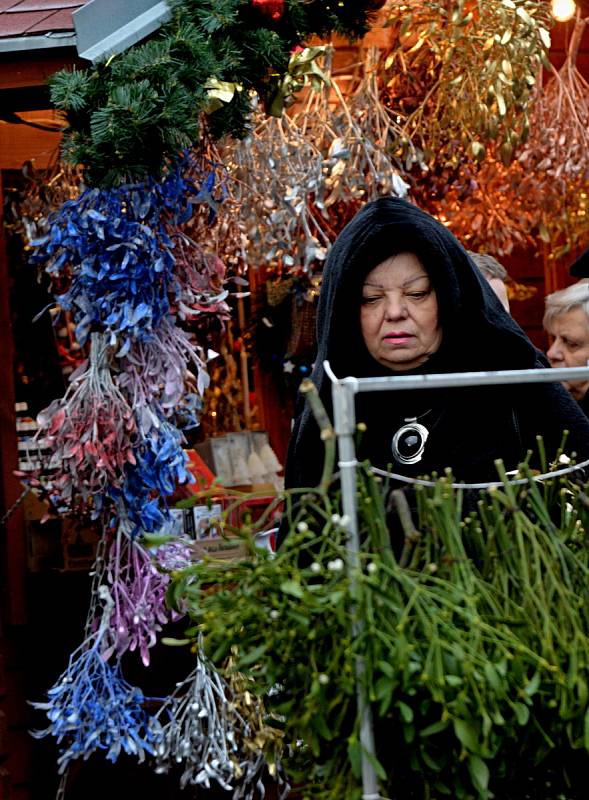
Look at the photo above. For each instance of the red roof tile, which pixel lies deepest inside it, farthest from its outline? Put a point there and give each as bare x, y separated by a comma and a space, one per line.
58, 21
33, 17
17, 24
43, 5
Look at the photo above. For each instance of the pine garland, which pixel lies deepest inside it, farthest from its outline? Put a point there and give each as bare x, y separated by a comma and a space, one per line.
130, 114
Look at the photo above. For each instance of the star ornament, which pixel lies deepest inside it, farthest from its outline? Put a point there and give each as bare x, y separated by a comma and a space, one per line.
288, 366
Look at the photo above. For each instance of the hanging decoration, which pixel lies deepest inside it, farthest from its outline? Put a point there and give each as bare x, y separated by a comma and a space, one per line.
559, 138
90, 431
505, 166
109, 255
460, 75
273, 9
137, 589
489, 206
135, 259
160, 464
275, 169
357, 137
199, 281
154, 372
317, 166
300, 178
91, 707
541, 195
212, 735
556, 151
129, 115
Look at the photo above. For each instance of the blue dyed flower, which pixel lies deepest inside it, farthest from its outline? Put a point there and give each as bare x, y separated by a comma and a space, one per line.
92, 707
160, 466
112, 250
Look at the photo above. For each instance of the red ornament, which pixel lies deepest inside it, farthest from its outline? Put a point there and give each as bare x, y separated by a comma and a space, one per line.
270, 8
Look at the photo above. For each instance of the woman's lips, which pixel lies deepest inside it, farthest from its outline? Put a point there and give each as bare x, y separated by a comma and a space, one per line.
398, 337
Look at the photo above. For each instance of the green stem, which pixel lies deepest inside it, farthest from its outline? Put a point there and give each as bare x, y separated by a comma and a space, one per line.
327, 432
412, 535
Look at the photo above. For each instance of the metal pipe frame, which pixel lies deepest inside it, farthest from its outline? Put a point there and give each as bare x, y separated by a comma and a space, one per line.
462, 379
344, 411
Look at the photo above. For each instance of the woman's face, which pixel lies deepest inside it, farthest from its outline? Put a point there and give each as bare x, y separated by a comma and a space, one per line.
399, 313
570, 347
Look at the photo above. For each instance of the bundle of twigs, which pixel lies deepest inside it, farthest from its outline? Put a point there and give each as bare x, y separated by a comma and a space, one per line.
460, 73
298, 179
559, 131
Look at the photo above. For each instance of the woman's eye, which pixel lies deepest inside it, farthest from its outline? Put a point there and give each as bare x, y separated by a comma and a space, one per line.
369, 300
570, 345
417, 295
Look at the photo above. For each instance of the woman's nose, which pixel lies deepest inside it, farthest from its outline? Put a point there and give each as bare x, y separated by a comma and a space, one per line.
554, 352
395, 307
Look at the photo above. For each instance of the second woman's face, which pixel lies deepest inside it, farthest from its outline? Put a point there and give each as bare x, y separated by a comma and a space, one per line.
399, 313
570, 347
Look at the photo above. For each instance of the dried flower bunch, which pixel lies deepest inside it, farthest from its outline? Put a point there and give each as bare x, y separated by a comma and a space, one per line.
300, 178
358, 134
91, 432
494, 207
214, 730
487, 205
556, 150
275, 169
137, 589
92, 707
27, 211
461, 71
505, 152
559, 136
543, 193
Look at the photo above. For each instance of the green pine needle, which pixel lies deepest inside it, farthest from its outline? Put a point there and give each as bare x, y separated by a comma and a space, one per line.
130, 114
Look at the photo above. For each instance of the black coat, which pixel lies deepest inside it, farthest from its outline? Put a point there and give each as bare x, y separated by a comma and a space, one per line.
584, 403
469, 428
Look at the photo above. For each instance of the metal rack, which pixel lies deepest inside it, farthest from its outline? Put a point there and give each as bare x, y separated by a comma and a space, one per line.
344, 391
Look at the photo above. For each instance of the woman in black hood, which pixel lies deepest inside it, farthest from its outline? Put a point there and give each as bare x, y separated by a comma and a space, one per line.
401, 295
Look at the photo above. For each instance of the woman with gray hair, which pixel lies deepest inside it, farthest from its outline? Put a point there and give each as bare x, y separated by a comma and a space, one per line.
566, 319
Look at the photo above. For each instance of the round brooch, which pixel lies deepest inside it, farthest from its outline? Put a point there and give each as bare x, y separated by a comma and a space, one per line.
409, 442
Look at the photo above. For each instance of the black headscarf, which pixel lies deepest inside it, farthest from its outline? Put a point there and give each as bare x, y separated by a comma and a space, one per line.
466, 302
470, 428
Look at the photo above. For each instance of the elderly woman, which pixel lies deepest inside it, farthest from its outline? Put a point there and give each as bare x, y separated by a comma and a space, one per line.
566, 319
400, 296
